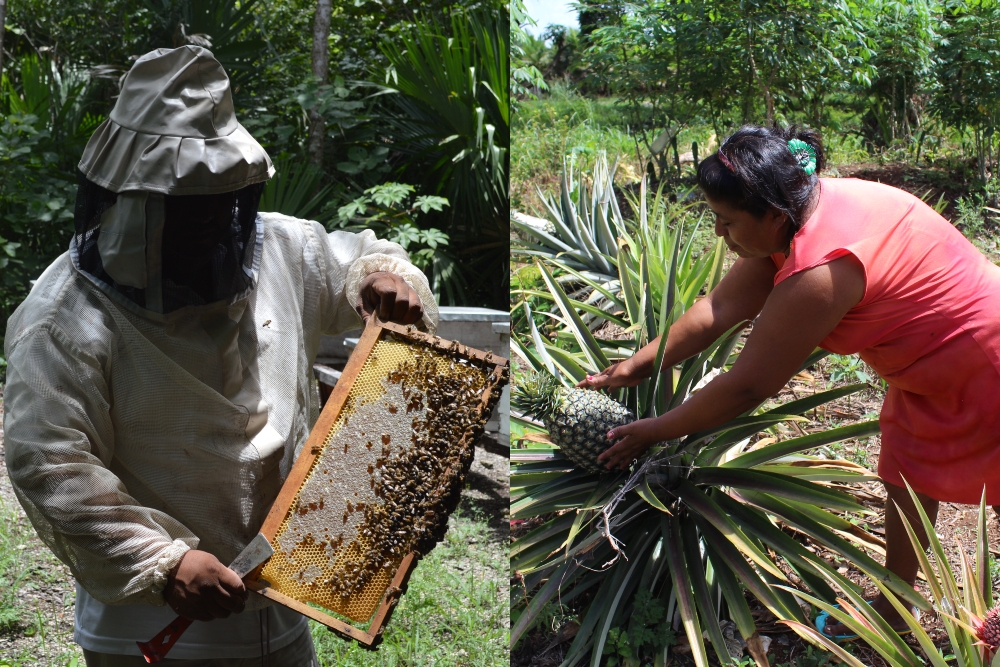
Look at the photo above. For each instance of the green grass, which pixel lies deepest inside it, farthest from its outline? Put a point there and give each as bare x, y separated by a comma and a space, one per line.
546, 131
14, 536
453, 613
43, 642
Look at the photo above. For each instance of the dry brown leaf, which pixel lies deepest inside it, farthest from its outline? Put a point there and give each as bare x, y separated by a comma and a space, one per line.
535, 437
763, 442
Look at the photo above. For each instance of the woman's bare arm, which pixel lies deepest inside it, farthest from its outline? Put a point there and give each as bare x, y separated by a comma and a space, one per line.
800, 312
739, 296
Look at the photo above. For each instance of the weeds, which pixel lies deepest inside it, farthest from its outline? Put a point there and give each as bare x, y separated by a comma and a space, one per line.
973, 219
13, 565
648, 633
859, 454
847, 368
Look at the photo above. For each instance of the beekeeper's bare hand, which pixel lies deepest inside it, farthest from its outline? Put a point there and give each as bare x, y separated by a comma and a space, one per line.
202, 588
622, 374
390, 297
633, 441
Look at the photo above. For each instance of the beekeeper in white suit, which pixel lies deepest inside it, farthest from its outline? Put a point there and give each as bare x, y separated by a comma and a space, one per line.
158, 383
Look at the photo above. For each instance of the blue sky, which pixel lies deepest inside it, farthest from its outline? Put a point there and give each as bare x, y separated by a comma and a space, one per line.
551, 12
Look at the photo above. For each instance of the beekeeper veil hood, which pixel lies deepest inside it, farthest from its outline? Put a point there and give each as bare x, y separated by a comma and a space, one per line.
173, 132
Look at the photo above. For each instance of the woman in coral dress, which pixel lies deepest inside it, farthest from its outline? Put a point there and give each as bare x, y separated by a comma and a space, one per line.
853, 267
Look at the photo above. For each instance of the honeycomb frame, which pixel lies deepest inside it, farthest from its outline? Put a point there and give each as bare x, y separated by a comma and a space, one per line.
307, 548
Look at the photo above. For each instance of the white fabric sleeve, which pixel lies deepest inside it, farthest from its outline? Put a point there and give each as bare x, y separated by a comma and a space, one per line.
349, 259
59, 441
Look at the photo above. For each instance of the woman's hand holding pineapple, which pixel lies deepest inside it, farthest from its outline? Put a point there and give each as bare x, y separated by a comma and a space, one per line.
633, 440
623, 374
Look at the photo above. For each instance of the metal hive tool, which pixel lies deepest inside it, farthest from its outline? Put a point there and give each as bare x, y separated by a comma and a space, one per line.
380, 473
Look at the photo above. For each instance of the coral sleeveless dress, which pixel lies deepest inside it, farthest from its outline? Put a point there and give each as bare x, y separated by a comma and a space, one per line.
929, 324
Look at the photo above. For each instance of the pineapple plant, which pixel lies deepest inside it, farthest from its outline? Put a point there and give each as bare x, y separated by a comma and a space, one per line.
578, 420
696, 523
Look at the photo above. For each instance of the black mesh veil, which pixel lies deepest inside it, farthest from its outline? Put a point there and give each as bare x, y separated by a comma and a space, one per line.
232, 262
91, 202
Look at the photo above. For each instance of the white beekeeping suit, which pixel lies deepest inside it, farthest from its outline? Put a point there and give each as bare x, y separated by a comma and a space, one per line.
141, 418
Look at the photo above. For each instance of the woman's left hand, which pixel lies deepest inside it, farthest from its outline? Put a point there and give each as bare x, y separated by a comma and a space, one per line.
633, 441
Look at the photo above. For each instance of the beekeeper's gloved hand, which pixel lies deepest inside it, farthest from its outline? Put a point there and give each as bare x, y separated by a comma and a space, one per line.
390, 297
202, 588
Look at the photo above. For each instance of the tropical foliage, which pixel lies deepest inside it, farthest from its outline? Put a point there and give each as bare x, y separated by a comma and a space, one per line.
449, 72
523, 73
895, 75
48, 115
697, 522
968, 75
449, 110
390, 209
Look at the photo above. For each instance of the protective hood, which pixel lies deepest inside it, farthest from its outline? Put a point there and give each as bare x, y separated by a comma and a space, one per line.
172, 132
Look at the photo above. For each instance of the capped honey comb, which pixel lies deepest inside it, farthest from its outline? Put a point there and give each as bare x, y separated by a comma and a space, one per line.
383, 474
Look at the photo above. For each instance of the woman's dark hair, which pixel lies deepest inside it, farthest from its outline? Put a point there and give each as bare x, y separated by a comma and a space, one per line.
757, 171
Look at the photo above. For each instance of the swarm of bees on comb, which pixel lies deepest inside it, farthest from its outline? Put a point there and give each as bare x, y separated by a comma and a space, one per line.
388, 473
414, 485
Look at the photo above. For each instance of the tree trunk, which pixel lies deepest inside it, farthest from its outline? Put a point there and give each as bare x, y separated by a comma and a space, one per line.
320, 70
765, 88
748, 105
768, 104
3, 17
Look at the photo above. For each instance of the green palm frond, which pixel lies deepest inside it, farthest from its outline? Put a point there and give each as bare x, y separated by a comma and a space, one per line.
451, 117
294, 190
228, 28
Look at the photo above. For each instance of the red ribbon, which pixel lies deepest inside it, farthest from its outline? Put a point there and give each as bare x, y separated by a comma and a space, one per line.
725, 161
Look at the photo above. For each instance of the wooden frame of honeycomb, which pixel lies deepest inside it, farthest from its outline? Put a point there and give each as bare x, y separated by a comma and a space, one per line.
383, 467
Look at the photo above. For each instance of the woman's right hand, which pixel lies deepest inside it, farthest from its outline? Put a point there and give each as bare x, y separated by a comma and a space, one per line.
622, 374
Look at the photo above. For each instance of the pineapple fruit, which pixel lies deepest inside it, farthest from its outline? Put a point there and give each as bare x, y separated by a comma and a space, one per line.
578, 420
988, 629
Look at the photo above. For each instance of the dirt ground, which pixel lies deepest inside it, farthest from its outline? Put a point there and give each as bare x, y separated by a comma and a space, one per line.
46, 598
928, 182
956, 527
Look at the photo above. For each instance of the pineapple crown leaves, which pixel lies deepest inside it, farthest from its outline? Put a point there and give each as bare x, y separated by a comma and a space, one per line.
538, 395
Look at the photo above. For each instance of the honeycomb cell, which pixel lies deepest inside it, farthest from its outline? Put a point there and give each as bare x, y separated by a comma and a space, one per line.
389, 472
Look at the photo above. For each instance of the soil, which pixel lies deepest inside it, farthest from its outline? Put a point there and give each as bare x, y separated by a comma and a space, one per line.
956, 527
929, 183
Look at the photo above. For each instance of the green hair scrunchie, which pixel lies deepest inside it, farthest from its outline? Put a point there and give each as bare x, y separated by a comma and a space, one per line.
804, 154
